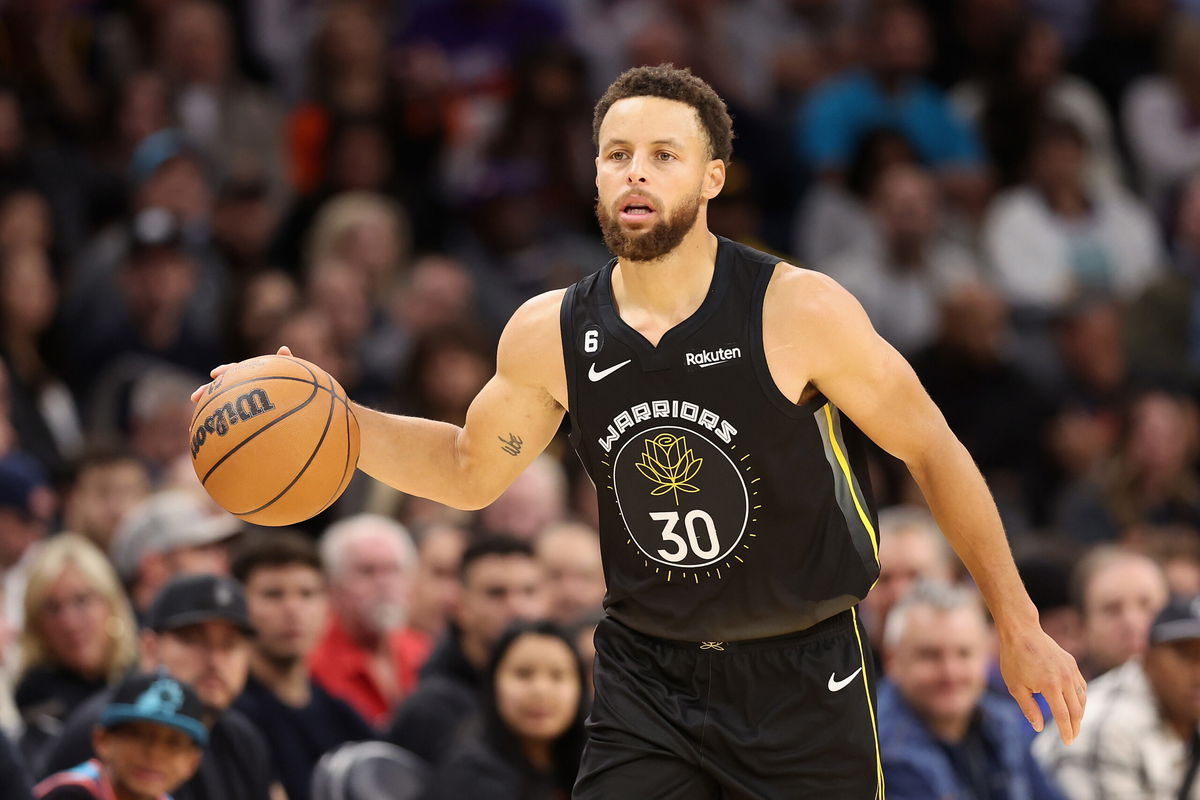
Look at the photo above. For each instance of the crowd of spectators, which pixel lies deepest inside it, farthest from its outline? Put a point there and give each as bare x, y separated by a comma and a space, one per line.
1011, 188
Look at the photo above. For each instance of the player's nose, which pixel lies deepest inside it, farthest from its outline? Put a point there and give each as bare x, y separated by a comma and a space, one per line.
637, 170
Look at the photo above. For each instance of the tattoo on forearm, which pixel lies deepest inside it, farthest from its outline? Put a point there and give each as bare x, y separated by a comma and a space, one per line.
512, 445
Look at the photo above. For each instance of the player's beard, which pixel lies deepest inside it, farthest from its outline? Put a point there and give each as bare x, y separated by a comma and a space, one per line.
663, 237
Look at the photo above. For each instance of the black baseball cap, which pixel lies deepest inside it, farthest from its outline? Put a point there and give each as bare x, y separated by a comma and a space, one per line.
191, 599
157, 697
1178, 621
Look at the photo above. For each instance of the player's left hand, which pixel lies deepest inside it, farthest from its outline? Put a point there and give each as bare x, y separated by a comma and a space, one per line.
1030, 662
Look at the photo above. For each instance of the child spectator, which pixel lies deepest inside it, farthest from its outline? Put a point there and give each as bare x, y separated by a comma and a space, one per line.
149, 741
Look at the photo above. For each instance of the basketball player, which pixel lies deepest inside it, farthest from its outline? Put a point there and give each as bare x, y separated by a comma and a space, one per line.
716, 398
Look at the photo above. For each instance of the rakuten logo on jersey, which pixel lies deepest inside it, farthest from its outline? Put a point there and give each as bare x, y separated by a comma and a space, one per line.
710, 358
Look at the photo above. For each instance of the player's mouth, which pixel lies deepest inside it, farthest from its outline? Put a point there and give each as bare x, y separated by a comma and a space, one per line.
636, 208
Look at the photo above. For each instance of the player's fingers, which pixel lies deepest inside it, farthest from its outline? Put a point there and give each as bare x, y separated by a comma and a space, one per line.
1057, 698
1075, 709
1076, 694
283, 350
1030, 709
199, 391
219, 370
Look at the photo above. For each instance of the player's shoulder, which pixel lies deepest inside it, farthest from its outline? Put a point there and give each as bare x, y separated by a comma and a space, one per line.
807, 295
531, 346
536, 318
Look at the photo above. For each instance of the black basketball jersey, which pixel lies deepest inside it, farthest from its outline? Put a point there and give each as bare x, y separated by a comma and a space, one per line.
727, 511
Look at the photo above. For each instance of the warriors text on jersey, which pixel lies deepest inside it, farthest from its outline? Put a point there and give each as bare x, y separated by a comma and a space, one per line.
727, 511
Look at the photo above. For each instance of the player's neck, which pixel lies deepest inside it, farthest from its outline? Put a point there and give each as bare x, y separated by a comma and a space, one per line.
668, 290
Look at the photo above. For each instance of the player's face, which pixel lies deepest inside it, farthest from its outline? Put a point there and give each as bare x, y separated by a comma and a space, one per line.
1120, 603
537, 688
212, 656
653, 172
145, 759
287, 606
940, 663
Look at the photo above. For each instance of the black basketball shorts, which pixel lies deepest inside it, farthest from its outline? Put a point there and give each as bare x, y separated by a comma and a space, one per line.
790, 717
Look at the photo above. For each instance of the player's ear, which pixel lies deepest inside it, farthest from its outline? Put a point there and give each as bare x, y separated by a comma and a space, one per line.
714, 179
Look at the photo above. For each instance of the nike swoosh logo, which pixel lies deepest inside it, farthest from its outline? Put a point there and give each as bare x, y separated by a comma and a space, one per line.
836, 685
594, 376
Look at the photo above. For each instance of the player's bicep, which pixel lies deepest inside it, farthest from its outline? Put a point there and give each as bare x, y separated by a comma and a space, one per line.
507, 425
516, 414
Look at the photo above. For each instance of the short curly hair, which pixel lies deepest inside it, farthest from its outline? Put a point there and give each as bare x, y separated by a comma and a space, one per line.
667, 82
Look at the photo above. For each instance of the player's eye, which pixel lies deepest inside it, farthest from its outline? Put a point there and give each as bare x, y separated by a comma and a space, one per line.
664, 156
617, 155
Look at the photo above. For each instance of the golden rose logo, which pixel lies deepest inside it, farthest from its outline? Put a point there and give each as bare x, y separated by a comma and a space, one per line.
668, 462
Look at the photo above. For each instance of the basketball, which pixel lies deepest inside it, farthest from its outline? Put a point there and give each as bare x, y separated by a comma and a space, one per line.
273, 440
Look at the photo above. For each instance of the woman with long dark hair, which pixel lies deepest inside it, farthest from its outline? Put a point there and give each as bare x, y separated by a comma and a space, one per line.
530, 734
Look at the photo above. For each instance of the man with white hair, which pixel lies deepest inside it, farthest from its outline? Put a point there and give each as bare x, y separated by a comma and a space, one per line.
368, 656
941, 734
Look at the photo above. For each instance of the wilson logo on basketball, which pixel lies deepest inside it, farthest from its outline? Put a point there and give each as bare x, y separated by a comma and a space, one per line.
247, 406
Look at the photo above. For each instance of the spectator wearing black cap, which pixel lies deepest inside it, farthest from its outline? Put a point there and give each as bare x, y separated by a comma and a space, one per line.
163, 174
197, 629
149, 740
153, 315
287, 602
1141, 737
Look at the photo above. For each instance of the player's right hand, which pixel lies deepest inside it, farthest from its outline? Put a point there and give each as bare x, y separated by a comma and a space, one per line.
220, 370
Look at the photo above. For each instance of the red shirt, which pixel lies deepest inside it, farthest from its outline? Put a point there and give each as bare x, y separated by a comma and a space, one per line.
342, 667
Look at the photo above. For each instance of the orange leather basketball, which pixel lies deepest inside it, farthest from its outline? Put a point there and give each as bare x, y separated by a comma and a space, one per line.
274, 440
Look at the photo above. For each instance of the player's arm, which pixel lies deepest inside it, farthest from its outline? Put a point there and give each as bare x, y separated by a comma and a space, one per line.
509, 422
827, 337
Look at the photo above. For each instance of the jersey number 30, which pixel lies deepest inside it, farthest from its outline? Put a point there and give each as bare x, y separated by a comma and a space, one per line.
690, 524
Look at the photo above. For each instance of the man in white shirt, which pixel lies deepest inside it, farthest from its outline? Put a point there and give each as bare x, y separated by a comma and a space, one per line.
1141, 739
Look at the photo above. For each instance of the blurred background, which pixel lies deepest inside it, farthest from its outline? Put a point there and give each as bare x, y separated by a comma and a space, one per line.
1010, 187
